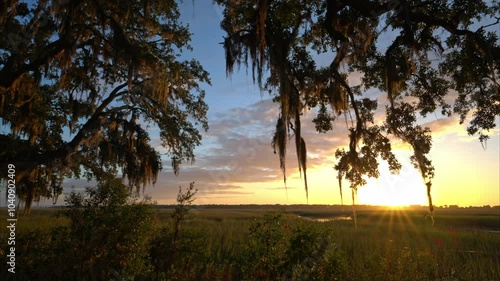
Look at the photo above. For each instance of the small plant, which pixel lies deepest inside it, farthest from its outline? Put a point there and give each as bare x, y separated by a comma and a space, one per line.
181, 210
170, 251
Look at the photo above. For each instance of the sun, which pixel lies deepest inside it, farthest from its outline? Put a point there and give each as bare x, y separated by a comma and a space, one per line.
404, 189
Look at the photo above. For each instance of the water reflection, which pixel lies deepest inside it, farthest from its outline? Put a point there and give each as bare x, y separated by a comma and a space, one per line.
337, 218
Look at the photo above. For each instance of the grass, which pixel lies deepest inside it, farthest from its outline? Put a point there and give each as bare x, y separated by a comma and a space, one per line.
402, 245
389, 244
40, 218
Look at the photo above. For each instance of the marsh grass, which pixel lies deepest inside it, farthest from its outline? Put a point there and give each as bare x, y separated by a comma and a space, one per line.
389, 244
40, 218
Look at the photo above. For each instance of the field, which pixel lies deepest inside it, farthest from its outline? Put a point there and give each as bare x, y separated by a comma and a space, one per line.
317, 243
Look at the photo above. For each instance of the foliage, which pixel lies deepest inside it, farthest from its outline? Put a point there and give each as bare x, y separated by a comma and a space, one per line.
172, 251
107, 238
181, 210
82, 81
280, 250
267, 247
181, 258
420, 54
228, 244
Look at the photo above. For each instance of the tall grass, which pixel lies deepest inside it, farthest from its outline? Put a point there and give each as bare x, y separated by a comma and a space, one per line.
389, 244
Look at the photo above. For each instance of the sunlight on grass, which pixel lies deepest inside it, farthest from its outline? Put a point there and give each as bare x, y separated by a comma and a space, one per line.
391, 243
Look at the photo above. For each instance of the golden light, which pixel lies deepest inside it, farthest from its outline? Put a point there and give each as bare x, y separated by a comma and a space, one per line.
404, 189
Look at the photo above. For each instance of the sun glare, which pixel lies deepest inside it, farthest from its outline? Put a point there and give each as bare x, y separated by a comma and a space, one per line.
404, 189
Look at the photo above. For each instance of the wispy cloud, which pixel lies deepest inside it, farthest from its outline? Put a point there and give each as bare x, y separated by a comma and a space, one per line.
236, 152
281, 188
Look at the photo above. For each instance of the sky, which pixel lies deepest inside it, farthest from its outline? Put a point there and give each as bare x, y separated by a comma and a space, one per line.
236, 165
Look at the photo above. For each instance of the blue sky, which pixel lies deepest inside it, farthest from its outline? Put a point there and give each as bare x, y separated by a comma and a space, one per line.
235, 163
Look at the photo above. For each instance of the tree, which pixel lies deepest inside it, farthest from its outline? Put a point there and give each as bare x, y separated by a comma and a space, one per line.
82, 81
436, 49
173, 248
181, 210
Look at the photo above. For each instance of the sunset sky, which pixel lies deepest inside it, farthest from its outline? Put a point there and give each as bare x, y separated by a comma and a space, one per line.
235, 163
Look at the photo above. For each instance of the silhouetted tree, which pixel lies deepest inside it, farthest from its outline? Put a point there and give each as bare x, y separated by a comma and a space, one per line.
184, 205
172, 247
433, 49
80, 83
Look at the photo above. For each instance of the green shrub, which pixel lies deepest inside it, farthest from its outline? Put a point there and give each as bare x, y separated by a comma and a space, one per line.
292, 250
107, 238
109, 231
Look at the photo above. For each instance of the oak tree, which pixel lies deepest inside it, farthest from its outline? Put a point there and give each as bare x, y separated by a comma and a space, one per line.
421, 55
82, 83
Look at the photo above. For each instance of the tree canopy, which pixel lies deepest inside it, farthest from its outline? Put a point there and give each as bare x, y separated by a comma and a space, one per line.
82, 81
425, 56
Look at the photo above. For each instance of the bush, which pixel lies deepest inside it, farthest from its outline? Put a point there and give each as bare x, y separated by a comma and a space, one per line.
110, 232
107, 238
292, 250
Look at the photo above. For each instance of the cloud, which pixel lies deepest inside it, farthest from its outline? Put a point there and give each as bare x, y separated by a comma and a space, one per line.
237, 151
280, 188
449, 127
444, 126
